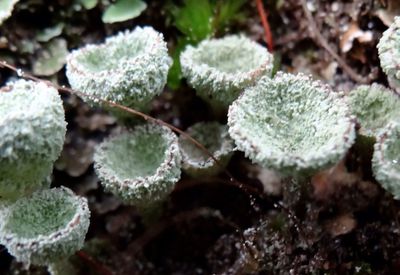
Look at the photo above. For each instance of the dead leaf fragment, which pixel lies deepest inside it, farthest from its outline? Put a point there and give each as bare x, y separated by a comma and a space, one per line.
352, 33
341, 225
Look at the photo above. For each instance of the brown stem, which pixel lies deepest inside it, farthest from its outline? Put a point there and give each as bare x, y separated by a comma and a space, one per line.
265, 24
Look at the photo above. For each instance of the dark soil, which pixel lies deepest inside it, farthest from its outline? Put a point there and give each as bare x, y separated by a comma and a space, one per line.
339, 222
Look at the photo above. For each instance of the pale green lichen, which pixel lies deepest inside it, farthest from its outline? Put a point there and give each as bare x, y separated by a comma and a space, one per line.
374, 106
32, 133
215, 138
45, 227
219, 69
389, 52
292, 124
6, 8
386, 159
130, 68
141, 166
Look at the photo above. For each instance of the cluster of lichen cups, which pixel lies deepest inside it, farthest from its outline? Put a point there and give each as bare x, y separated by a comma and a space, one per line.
142, 165
38, 225
289, 123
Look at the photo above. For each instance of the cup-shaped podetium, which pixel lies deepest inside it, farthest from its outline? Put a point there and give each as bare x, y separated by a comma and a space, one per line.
291, 124
129, 68
215, 138
386, 159
45, 227
219, 69
32, 133
374, 107
141, 166
389, 53
6, 8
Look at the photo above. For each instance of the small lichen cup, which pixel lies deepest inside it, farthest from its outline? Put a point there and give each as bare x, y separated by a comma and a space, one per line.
374, 107
291, 124
129, 68
46, 227
389, 53
386, 159
220, 69
32, 134
141, 166
215, 138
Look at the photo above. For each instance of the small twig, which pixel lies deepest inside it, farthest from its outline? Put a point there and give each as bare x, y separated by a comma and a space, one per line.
23, 74
316, 34
264, 21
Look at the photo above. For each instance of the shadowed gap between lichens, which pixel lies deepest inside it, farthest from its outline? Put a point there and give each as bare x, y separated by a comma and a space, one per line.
20, 73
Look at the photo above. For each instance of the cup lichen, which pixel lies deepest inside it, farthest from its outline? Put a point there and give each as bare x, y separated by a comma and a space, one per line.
219, 69
215, 138
292, 124
386, 159
45, 227
32, 134
389, 52
374, 107
6, 8
130, 68
141, 166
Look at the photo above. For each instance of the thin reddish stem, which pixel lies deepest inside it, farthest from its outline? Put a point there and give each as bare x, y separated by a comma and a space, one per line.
264, 21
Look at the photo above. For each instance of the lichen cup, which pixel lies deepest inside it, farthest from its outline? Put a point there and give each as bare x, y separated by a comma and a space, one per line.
374, 107
389, 53
386, 159
32, 133
46, 227
291, 124
130, 68
215, 138
141, 166
219, 69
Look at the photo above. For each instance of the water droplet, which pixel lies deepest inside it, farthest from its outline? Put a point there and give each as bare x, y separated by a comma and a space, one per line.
20, 73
